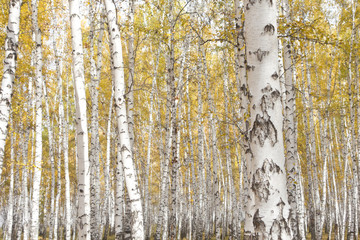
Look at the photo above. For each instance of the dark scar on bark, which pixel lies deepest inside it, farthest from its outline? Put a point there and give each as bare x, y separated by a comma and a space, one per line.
269, 28
263, 129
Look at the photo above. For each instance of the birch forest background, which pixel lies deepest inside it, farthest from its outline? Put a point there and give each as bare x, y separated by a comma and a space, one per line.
179, 119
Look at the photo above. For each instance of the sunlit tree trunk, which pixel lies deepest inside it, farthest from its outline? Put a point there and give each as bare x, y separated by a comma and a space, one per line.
52, 164
24, 192
268, 209
353, 227
58, 193
94, 128
131, 55
148, 154
194, 195
232, 198
11, 45
82, 144
133, 190
295, 222
107, 170
10, 204
34, 229
213, 148
119, 198
66, 165
242, 88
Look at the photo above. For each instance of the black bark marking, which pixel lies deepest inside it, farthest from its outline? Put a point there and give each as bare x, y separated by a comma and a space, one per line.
269, 98
259, 226
244, 89
280, 226
248, 67
259, 54
275, 75
263, 129
269, 29
252, 2
260, 187
260, 182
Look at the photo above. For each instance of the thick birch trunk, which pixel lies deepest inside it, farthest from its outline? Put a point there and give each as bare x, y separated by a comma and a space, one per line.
133, 190
82, 144
11, 45
268, 209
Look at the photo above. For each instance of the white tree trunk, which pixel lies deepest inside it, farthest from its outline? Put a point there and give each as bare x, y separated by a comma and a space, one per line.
131, 55
82, 144
10, 204
148, 155
133, 190
107, 169
11, 45
268, 209
34, 229
119, 198
94, 129
295, 222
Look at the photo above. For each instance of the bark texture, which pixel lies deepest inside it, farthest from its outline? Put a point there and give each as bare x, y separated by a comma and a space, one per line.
132, 186
267, 209
11, 45
82, 144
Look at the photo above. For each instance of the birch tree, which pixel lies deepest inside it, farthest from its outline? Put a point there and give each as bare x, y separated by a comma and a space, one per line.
82, 144
267, 209
11, 53
34, 228
132, 186
95, 70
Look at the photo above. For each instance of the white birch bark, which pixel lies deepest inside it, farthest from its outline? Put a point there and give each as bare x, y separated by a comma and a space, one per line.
291, 132
52, 164
10, 205
107, 170
25, 194
9, 70
34, 229
213, 147
82, 145
63, 138
194, 196
268, 209
94, 129
119, 200
147, 221
58, 193
353, 227
241, 80
66, 167
133, 190
131, 56
232, 198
